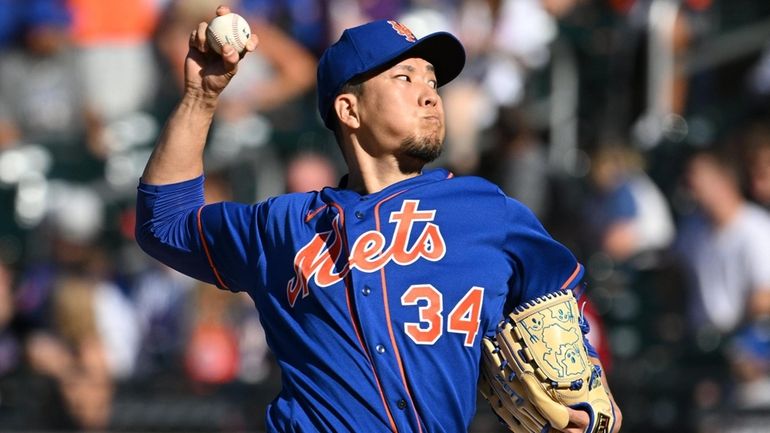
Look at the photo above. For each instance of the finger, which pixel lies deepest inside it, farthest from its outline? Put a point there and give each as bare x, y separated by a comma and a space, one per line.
230, 57
222, 10
193, 38
252, 43
578, 421
578, 417
200, 37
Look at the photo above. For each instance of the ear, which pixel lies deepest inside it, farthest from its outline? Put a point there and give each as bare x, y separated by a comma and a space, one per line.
346, 107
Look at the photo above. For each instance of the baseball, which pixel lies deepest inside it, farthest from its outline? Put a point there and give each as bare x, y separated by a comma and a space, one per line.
228, 29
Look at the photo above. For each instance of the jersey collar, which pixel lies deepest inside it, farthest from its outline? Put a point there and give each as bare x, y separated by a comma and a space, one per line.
342, 195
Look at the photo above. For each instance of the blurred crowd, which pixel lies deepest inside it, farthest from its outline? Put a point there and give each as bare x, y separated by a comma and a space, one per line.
637, 130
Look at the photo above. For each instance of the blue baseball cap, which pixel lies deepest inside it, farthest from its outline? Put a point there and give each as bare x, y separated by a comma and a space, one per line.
376, 44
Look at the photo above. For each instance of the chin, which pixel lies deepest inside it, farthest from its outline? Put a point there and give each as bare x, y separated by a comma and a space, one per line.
426, 148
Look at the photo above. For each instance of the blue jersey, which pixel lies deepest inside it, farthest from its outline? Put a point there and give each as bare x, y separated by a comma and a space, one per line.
373, 305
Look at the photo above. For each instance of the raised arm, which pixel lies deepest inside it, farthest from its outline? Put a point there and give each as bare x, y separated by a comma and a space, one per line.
178, 154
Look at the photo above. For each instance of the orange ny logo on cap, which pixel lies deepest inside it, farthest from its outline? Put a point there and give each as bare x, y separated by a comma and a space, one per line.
402, 30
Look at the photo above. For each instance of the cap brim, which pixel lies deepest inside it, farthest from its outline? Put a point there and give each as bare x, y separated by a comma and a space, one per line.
441, 49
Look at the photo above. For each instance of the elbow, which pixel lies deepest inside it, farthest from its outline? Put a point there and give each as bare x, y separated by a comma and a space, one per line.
148, 234
144, 237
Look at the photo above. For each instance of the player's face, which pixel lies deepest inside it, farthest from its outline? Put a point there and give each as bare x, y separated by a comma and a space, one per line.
401, 111
707, 182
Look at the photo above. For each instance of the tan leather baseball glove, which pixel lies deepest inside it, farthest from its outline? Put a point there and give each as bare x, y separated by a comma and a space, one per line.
537, 366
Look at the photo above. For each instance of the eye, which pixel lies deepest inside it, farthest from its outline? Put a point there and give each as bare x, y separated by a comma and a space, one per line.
404, 78
433, 84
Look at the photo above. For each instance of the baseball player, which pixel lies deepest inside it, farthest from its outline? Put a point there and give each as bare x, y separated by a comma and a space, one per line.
374, 295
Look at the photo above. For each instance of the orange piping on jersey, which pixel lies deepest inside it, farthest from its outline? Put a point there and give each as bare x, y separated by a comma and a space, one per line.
571, 277
348, 287
313, 213
206, 250
387, 315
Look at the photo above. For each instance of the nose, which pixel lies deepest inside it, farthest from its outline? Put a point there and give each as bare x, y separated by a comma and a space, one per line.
429, 96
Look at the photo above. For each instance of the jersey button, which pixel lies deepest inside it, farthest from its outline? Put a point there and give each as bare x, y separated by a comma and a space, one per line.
366, 290
401, 404
380, 349
359, 215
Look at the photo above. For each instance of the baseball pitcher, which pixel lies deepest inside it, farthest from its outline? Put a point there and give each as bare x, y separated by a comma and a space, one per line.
382, 299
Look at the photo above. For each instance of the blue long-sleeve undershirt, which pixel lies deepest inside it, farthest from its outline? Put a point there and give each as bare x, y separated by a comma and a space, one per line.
167, 226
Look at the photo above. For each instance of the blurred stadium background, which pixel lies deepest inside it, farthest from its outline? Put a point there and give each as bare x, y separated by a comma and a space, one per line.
588, 111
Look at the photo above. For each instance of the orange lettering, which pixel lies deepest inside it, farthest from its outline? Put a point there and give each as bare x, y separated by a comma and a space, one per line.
465, 317
318, 259
431, 324
405, 219
304, 264
365, 252
430, 243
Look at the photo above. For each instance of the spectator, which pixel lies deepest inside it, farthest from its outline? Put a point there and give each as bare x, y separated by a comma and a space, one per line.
113, 41
726, 244
81, 329
625, 212
40, 100
85, 373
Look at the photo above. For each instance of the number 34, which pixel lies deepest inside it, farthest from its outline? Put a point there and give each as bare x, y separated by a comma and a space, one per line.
463, 319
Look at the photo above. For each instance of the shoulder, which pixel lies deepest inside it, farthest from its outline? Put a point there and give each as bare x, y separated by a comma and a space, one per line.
489, 197
291, 204
282, 208
471, 191
755, 223
468, 188
473, 182
754, 214
294, 199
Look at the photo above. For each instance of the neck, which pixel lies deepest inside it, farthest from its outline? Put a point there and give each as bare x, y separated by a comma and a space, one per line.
368, 174
726, 211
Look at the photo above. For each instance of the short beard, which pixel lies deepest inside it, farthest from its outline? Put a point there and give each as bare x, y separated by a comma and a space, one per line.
424, 149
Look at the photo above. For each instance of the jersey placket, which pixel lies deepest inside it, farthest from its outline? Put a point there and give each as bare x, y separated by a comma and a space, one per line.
367, 289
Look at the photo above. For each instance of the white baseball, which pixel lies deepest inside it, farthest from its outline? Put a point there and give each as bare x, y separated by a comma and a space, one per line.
228, 29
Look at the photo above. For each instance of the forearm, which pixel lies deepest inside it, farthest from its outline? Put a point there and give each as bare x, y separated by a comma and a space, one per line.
178, 154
